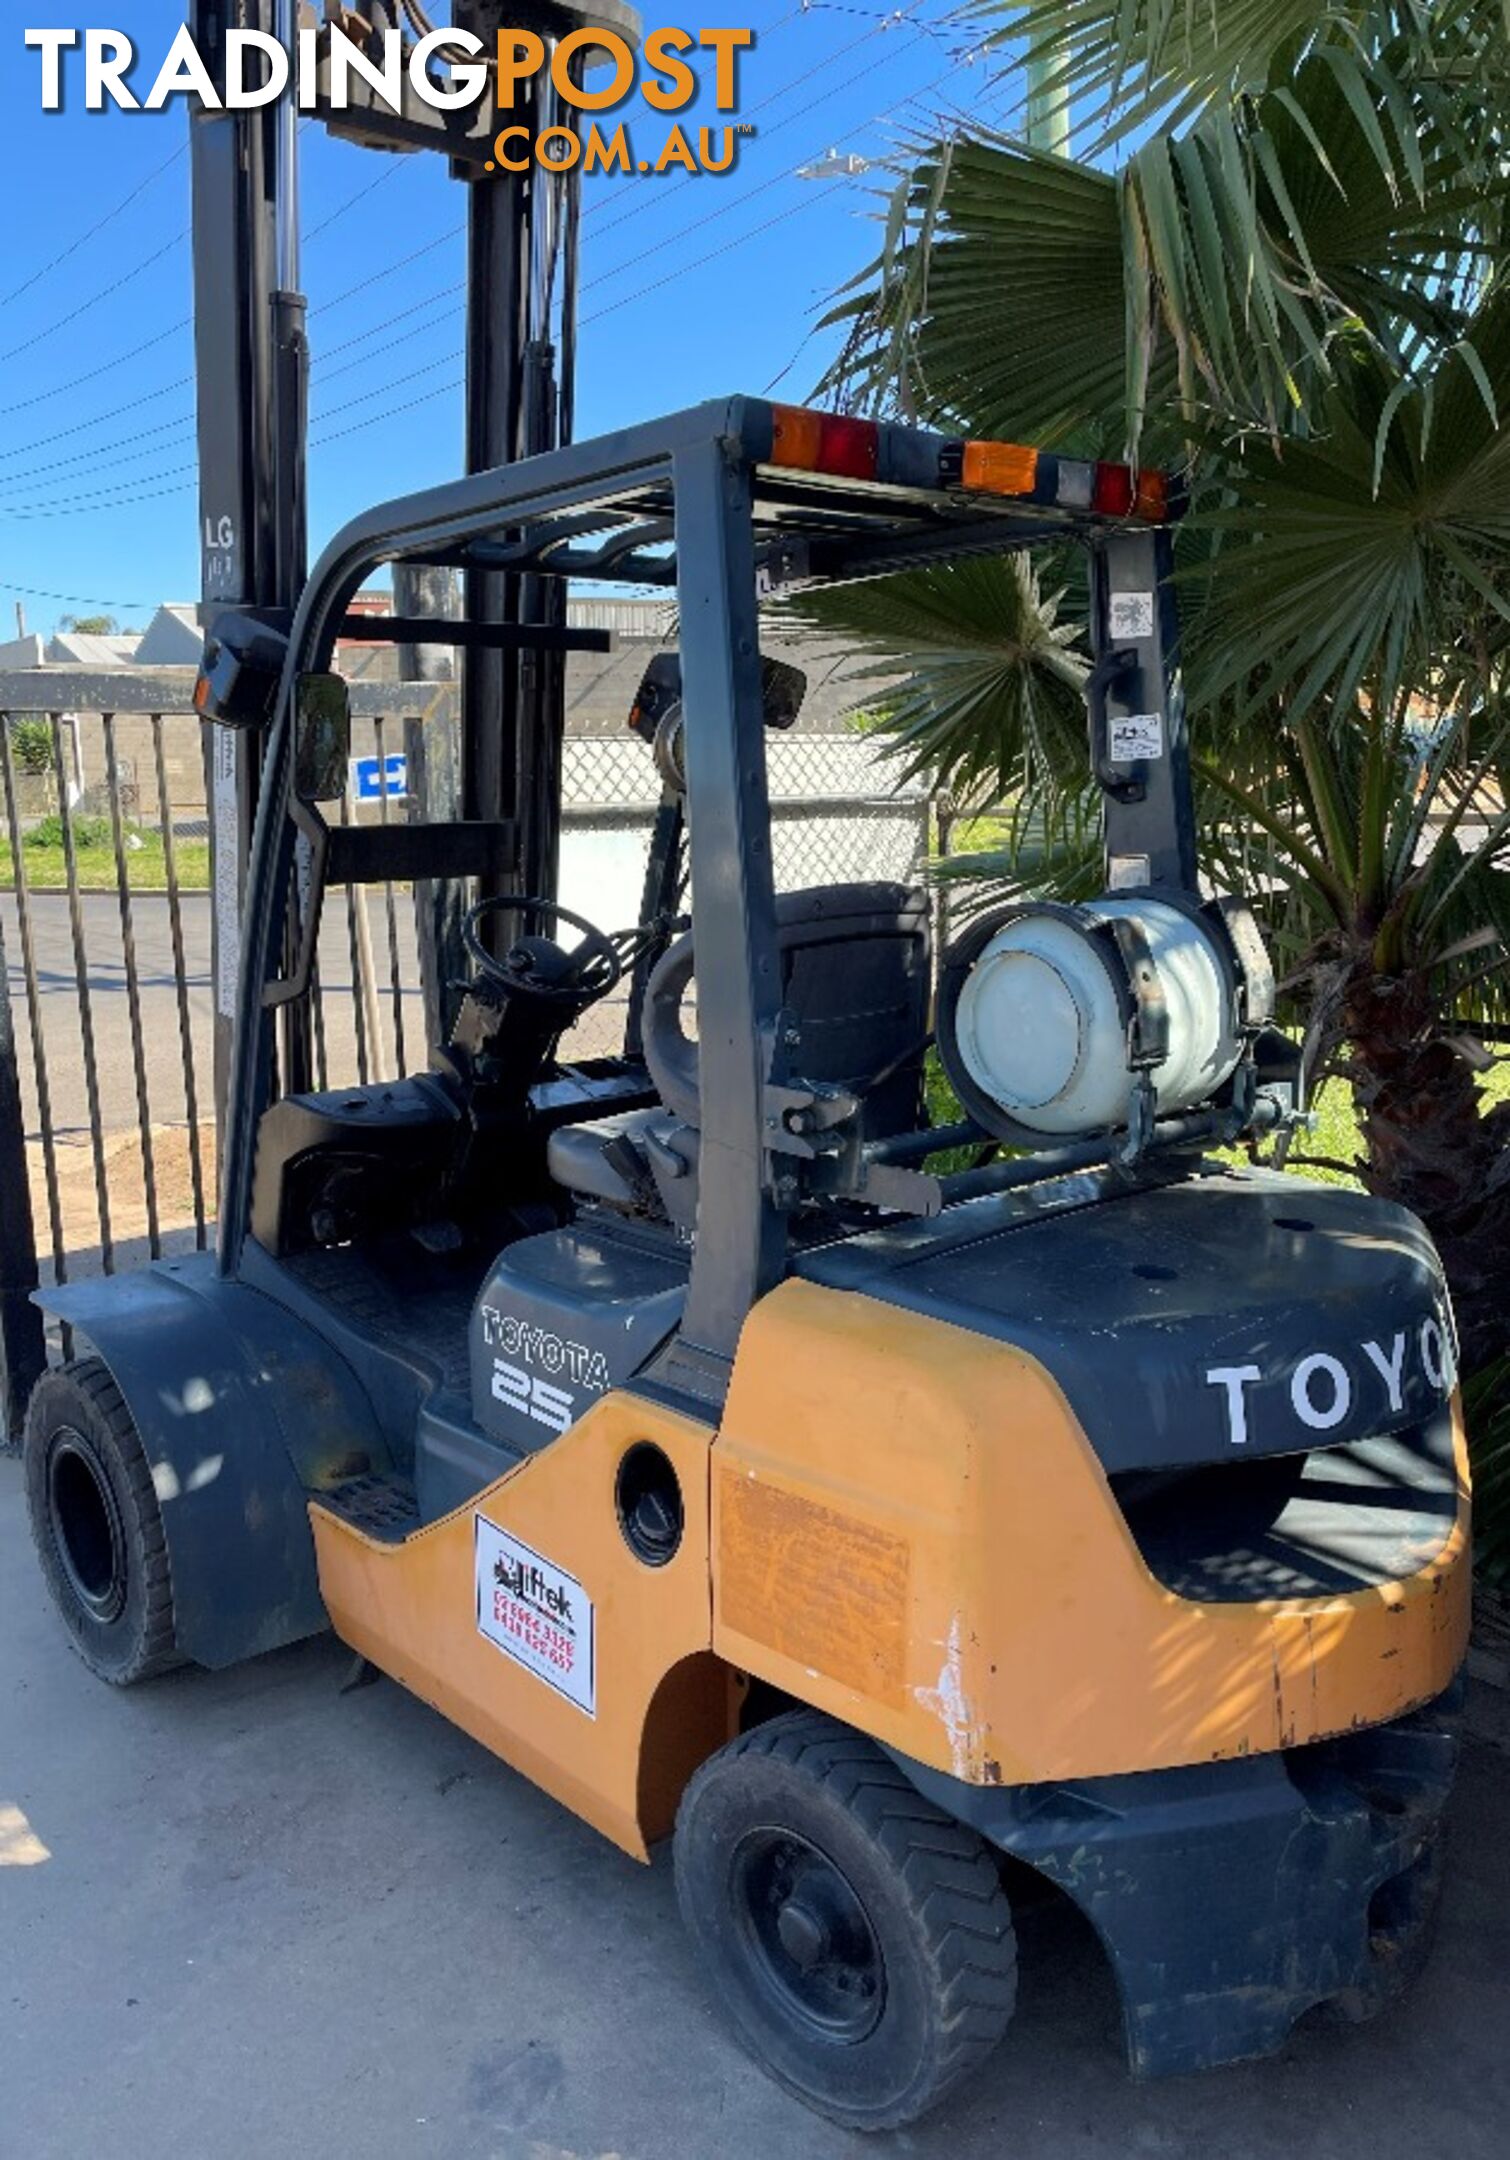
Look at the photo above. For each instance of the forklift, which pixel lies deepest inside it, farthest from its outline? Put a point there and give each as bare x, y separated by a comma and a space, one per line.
885, 1537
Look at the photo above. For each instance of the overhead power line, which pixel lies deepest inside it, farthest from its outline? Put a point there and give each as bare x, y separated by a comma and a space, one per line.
105, 498
651, 199
125, 495
106, 367
648, 201
92, 457
73, 247
105, 292
353, 201
82, 427
74, 599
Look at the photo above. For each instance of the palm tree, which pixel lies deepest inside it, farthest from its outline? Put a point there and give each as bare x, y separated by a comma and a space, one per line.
1291, 287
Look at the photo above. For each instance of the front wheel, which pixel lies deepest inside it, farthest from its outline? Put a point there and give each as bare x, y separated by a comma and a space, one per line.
96, 1523
858, 1937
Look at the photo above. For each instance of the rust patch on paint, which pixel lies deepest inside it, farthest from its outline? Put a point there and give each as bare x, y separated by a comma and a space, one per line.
819, 1587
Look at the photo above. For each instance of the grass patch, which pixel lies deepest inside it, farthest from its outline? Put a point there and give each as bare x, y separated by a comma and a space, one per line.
94, 853
1336, 1134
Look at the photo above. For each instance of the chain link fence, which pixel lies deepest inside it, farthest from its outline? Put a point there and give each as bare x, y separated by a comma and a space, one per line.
107, 868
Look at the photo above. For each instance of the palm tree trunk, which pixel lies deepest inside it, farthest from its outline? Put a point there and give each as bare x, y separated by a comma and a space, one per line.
1433, 1147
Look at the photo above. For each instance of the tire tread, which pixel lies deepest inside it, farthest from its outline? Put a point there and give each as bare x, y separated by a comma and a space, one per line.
156, 1652
943, 1871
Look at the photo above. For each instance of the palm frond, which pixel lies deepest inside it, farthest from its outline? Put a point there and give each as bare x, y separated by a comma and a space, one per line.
1351, 559
1021, 293
1128, 65
970, 670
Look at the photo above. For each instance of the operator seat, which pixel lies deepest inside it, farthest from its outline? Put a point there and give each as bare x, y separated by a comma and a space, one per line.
856, 979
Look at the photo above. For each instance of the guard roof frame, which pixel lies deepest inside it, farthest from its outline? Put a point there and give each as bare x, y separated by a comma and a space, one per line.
703, 483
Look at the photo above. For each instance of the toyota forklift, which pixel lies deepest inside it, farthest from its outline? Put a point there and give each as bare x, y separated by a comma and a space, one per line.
671, 1423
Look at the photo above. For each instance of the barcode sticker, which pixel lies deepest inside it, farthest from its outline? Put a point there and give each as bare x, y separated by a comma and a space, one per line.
1131, 615
1136, 737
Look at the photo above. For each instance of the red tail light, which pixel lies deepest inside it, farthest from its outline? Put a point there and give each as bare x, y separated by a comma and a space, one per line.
808, 441
1112, 495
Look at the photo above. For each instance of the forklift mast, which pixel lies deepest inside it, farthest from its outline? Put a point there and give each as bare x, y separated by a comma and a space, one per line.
252, 368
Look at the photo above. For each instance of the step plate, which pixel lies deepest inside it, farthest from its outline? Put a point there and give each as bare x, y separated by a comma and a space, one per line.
380, 1507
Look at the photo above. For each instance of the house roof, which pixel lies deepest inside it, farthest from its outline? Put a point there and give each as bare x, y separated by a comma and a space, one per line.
173, 638
71, 649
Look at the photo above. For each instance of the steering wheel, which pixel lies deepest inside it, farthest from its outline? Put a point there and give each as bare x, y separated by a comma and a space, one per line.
538, 966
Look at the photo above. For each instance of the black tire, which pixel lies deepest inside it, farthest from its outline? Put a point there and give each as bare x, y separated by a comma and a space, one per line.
96, 1524
859, 1938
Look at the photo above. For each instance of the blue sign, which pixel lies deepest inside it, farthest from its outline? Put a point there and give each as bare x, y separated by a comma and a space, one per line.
373, 779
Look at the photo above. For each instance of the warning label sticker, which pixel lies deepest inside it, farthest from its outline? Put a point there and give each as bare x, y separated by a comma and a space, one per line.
535, 1613
1131, 615
1135, 736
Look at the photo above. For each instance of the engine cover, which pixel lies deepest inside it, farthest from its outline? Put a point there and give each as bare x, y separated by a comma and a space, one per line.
563, 1318
1224, 1316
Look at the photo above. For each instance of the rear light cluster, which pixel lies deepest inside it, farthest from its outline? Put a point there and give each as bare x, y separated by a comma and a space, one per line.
807, 441
824, 442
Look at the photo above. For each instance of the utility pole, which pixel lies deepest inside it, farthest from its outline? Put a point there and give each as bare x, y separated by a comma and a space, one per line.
1048, 106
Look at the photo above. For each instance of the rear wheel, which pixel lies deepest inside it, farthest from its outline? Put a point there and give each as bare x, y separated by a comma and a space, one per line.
858, 1937
96, 1523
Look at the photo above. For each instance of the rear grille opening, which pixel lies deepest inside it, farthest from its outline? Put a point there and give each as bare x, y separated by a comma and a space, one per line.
1329, 1522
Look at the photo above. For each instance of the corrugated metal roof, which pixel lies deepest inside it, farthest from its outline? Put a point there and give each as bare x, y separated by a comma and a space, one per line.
70, 649
649, 619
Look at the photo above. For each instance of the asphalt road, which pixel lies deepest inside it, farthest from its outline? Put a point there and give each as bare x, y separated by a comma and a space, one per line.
108, 985
106, 977
267, 1919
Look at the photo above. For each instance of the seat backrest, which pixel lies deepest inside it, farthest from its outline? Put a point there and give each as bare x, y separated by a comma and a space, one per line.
856, 981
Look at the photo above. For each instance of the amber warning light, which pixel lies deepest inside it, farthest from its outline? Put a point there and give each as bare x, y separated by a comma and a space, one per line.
843, 448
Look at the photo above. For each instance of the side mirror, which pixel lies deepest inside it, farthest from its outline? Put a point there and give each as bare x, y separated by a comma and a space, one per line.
322, 737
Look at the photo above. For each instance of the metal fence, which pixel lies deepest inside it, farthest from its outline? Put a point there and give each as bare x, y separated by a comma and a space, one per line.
109, 859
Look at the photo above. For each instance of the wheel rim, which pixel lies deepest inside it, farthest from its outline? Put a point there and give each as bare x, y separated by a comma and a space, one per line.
87, 1526
807, 1938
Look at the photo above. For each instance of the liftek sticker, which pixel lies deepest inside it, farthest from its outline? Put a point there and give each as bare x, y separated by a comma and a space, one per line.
535, 1613
1131, 615
1135, 736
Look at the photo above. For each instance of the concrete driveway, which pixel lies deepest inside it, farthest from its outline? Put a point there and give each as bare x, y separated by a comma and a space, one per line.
255, 1917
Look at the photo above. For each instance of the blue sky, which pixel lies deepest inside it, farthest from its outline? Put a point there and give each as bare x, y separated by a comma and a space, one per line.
691, 286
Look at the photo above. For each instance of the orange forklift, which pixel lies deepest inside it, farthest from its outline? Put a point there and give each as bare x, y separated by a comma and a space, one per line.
668, 1422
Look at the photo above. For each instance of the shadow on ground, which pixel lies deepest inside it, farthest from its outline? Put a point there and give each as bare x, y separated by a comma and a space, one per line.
275, 1920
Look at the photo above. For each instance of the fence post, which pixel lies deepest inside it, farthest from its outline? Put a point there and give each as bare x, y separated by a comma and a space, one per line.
23, 1347
432, 750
